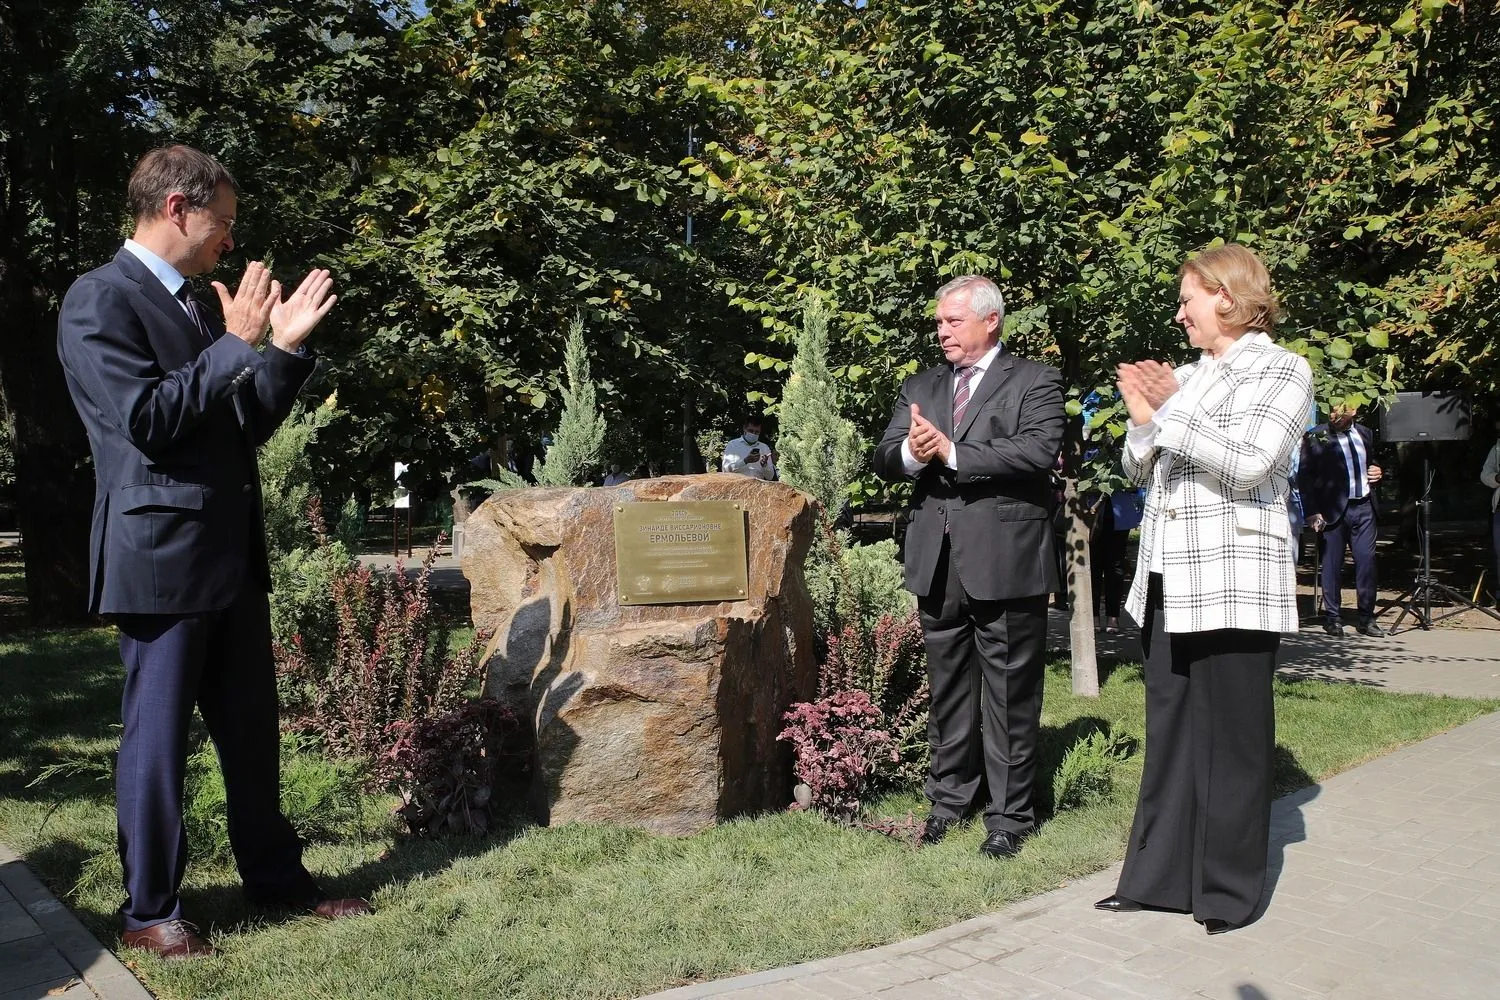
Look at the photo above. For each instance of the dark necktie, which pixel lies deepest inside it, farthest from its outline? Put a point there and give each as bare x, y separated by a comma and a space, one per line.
961, 394
196, 312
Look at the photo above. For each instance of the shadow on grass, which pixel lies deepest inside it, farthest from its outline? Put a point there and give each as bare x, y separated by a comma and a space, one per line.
1054, 745
222, 905
69, 868
58, 690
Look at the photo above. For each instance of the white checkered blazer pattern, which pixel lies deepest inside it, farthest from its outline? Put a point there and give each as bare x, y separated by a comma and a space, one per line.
1217, 483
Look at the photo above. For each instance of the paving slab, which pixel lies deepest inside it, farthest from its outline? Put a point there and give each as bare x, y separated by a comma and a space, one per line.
1372, 899
45, 951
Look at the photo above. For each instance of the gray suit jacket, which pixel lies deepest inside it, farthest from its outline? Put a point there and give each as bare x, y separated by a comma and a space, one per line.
173, 423
998, 506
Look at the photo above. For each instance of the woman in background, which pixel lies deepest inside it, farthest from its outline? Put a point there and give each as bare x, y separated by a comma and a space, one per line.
1214, 587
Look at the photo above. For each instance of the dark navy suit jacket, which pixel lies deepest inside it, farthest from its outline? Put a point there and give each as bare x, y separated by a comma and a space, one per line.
1323, 474
173, 422
997, 508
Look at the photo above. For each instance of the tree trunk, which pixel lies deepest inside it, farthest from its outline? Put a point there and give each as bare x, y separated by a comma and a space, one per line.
54, 473
1085, 658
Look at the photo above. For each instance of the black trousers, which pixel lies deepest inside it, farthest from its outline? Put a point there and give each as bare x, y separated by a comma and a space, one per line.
1202, 823
985, 661
221, 662
1107, 561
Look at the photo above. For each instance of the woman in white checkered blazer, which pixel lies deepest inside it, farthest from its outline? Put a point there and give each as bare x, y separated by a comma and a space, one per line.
1214, 587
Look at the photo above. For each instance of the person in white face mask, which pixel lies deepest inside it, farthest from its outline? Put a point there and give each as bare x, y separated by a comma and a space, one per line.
748, 454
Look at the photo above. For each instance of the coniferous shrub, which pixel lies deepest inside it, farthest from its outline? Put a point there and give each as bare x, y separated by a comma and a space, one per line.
574, 457
320, 797
1086, 774
819, 449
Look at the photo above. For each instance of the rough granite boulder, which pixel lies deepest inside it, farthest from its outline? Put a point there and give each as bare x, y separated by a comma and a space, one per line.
656, 716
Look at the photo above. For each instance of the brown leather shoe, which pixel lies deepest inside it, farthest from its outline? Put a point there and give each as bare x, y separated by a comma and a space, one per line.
338, 909
172, 940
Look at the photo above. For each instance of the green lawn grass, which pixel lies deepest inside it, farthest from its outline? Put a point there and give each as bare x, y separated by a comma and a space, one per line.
587, 910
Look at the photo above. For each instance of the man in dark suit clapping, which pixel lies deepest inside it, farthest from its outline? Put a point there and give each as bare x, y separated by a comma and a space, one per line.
979, 436
175, 401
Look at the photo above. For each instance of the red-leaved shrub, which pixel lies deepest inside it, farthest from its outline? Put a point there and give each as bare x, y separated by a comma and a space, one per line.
390, 664
445, 768
837, 742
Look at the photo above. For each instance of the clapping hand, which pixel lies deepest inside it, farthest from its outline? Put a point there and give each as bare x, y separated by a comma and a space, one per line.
294, 319
1145, 386
248, 310
924, 439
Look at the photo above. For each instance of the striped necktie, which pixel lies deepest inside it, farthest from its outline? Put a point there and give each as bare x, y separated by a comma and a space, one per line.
961, 395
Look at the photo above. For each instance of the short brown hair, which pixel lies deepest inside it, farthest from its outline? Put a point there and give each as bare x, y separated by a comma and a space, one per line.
1239, 272
183, 169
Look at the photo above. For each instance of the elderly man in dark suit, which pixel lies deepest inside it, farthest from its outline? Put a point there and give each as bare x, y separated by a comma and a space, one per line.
1336, 477
175, 402
979, 436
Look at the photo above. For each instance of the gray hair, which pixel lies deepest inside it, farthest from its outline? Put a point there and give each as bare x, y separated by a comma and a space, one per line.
984, 295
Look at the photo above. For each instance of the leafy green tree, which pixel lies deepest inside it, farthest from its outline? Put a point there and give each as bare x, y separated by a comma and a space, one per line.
535, 175
1077, 152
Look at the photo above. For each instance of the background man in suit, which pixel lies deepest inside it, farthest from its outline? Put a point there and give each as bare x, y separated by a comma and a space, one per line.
979, 435
1336, 477
175, 403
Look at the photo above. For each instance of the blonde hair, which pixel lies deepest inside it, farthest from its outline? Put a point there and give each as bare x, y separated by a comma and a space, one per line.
1237, 271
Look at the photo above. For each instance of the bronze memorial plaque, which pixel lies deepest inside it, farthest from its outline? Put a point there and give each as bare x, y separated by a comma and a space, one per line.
680, 553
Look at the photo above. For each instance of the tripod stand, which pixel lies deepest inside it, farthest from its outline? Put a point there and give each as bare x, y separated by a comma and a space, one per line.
1417, 599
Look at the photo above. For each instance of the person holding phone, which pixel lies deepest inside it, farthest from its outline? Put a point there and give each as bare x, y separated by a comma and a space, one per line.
748, 454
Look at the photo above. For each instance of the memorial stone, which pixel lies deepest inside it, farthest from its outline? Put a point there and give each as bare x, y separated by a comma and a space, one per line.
656, 715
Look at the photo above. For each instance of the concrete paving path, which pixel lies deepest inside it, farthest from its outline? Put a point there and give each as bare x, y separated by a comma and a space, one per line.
46, 952
1384, 881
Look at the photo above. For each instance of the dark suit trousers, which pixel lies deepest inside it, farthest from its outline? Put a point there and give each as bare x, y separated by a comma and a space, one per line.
1356, 530
1495, 541
1107, 565
220, 661
984, 661
1203, 819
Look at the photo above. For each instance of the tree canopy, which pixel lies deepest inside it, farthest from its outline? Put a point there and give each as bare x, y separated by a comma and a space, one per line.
481, 172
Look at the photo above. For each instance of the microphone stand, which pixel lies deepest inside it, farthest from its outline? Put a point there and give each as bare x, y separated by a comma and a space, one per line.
1417, 599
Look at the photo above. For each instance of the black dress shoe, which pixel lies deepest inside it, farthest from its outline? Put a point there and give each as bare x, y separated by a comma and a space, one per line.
935, 829
1002, 844
1118, 904
1368, 627
1216, 926
1334, 628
